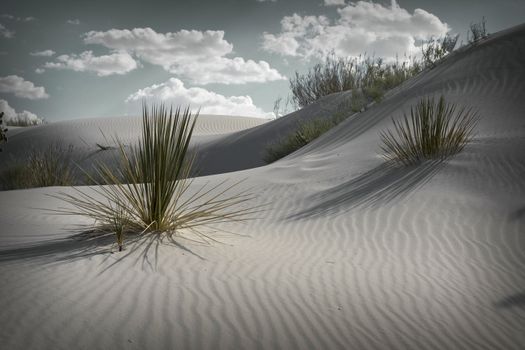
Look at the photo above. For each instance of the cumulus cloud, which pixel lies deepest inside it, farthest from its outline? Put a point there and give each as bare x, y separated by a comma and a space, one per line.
209, 102
360, 27
115, 63
45, 53
199, 56
21, 88
334, 2
39, 70
75, 21
6, 33
11, 117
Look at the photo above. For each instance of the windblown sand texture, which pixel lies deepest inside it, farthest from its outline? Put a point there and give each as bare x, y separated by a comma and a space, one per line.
351, 254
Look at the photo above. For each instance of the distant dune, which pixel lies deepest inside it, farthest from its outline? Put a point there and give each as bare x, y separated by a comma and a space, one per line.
351, 254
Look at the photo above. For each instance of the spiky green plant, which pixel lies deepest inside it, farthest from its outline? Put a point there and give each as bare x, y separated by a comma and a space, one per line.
433, 131
151, 186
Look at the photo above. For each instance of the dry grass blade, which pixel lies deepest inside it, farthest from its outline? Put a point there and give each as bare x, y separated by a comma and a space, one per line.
151, 191
433, 131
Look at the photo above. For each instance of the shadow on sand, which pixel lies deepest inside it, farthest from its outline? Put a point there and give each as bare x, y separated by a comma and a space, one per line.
89, 243
515, 300
518, 214
382, 184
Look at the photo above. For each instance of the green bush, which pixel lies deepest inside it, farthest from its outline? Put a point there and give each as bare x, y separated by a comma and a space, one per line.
433, 131
304, 133
477, 31
435, 49
152, 190
369, 75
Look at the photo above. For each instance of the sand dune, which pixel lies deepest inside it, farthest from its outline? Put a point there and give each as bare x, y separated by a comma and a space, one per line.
351, 254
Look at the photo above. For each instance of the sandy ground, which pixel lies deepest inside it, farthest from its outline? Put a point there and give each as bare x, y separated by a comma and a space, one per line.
351, 253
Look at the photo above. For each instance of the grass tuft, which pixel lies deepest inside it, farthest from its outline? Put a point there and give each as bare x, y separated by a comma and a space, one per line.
433, 131
50, 166
151, 190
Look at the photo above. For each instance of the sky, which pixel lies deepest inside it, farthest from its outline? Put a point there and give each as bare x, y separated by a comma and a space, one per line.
63, 59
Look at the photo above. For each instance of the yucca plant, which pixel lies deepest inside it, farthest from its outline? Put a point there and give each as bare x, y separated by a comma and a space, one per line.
432, 131
151, 188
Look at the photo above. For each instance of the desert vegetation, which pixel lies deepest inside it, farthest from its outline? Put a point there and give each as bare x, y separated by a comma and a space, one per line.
435, 49
49, 166
372, 77
477, 31
304, 133
433, 130
3, 131
151, 191
368, 79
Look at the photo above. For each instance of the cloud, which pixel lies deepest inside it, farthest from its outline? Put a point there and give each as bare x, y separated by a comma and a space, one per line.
360, 27
23, 118
199, 56
266, 0
45, 53
334, 2
21, 88
18, 19
115, 63
209, 102
75, 21
39, 70
6, 33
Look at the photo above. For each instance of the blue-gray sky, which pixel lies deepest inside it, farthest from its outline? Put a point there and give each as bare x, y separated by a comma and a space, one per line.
63, 59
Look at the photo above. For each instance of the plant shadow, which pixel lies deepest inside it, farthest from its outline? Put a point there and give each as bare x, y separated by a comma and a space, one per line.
515, 300
90, 243
518, 214
382, 184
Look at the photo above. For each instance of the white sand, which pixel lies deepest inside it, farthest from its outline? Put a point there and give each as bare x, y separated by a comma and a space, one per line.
350, 255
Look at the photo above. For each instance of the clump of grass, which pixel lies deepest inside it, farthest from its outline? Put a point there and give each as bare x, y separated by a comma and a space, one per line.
304, 133
432, 131
477, 31
50, 166
369, 75
152, 190
118, 223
